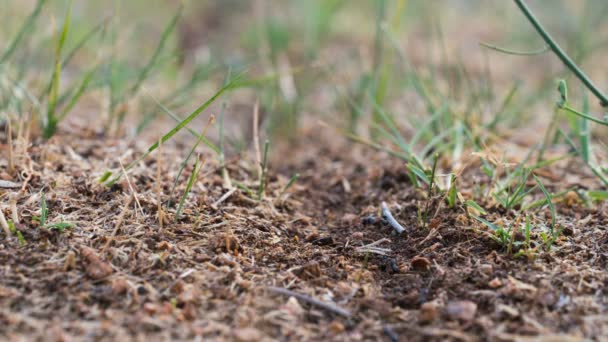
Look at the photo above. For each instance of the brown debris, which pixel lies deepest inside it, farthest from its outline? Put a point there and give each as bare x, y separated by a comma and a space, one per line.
95, 267
421, 264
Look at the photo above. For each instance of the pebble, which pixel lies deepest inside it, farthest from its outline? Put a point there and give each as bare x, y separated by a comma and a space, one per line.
495, 283
369, 220
429, 312
462, 310
247, 335
486, 269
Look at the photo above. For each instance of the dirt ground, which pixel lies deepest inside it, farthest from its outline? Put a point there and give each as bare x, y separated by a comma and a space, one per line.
299, 265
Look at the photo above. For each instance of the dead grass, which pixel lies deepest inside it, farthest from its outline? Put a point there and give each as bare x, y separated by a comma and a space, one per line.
118, 275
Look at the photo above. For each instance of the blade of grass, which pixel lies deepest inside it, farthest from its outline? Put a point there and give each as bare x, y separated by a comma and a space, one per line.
145, 72
203, 139
546, 48
584, 134
185, 162
23, 32
568, 62
78, 94
549, 202
291, 182
195, 171
51, 120
182, 124
44, 212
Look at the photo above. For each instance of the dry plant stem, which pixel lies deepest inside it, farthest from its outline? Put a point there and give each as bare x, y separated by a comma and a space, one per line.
386, 213
256, 137
131, 188
119, 222
14, 212
223, 198
158, 183
326, 306
9, 135
9, 185
4, 224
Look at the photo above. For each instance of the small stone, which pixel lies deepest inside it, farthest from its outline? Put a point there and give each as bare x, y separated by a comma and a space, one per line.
70, 261
421, 263
495, 283
507, 311
369, 220
486, 269
150, 308
429, 312
164, 245
357, 235
119, 286
293, 307
336, 327
247, 335
462, 310
349, 219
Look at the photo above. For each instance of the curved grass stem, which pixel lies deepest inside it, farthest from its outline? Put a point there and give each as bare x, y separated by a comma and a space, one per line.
516, 53
560, 53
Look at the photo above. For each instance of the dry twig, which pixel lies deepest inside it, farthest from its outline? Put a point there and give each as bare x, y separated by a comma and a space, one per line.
386, 213
327, 306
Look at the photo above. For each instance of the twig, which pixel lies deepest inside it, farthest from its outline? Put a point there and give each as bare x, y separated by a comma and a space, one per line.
131, 188
386, 213
119, 221
327, 306
372, 248
223, 198
8, 184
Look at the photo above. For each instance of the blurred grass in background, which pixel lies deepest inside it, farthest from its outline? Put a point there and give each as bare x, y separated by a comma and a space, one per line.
409, 76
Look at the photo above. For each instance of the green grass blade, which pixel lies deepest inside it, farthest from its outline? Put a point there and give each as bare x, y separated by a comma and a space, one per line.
291, 182
61, 226
185, 162
598, 195
51, 122
452, 192
23, 32
145, 72
549, 202
200, 137
182, 124
566, 60
80, 44
78, 94
195, 171
486, 222
474, 205
44, 212
546, 48
584, 133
